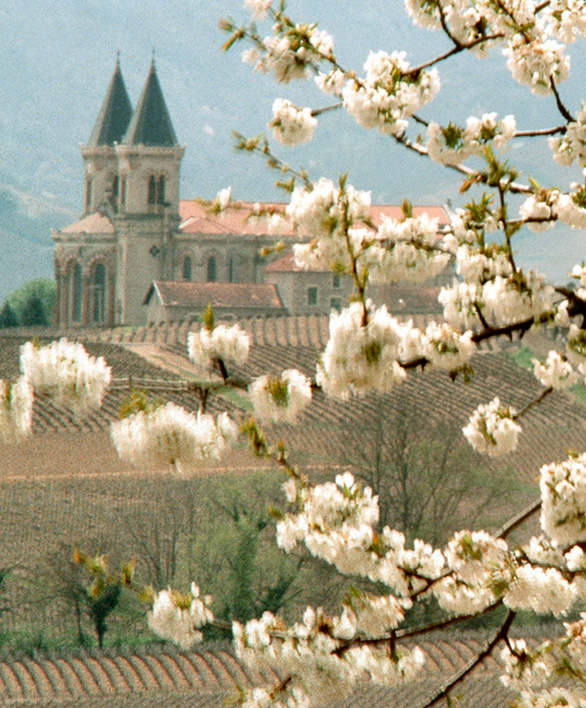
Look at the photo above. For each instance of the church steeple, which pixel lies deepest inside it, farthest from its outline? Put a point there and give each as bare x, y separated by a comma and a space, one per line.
115, 113
151, 123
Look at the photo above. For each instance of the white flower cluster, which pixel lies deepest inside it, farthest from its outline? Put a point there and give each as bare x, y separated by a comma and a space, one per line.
539, 210
492, 430
16, 409
405, 250
170, 435
230, 344
537, 63
336, 524
291, 125
280, 399
447, 348
534, 56
331, 83
307, 653
222, 200
563, 500
524, 668
178, 617
556, 371
360, 357
258, 8
542, 590
566, 19
572, 145
390, 93
324, 209
65, 371
453, 145
474, 559
291, 52
513, 299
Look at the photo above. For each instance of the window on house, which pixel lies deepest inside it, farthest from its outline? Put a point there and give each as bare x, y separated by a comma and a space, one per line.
312, 296
336, 282
187, 268
212, 270
231, 271
336, 304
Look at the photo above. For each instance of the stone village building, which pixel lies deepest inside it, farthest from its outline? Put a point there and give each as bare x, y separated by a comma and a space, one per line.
122, 262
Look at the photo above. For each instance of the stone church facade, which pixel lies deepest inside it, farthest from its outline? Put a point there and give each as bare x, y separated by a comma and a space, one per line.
135, 231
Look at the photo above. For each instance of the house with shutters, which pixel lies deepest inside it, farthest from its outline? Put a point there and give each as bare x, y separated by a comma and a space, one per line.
135, 237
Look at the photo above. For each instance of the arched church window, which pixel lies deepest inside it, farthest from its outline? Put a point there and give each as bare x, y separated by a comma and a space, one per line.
75, 285
88, 194
115, 188
152, 199
157, 186
212, 270
187, 268
123, 193
98, 293
161, 190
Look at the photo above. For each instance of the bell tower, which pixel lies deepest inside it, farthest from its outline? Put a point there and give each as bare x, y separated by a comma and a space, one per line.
149, 156
101, 172
147, 212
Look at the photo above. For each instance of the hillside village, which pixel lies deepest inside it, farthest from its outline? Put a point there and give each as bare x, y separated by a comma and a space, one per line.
142, 255
134, 276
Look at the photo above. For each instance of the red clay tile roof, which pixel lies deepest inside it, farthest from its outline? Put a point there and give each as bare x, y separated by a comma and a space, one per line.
236, 220
228, 295
95, 223
286, 264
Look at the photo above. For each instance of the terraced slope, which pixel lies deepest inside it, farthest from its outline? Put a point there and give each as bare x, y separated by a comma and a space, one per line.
168, 678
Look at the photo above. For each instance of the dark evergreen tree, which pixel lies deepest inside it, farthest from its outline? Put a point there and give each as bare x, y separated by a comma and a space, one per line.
33, 314
8, 317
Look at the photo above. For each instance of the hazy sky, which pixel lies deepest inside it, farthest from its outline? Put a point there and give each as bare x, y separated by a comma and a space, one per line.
57, 57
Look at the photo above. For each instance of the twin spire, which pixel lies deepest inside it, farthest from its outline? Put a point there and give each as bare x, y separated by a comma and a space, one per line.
149, 124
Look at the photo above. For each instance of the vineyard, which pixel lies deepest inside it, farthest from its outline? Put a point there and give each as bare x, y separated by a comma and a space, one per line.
65, 487
169, 678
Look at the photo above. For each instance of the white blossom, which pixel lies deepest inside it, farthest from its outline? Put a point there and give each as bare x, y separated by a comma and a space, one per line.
537, 62
230, 344
291, 125
16, 409
390, 93
446, 347
563, 500
361, 356
556, 372
258, 8
65, 371
170, 435
178, 617
280, 399
492, 430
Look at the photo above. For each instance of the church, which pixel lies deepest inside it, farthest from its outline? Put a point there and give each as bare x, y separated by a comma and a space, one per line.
139, 253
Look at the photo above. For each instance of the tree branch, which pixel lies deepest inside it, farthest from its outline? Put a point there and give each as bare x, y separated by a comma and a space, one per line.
445, 689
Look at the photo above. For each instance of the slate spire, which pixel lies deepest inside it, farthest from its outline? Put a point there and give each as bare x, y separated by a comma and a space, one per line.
115, 113
151, 124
